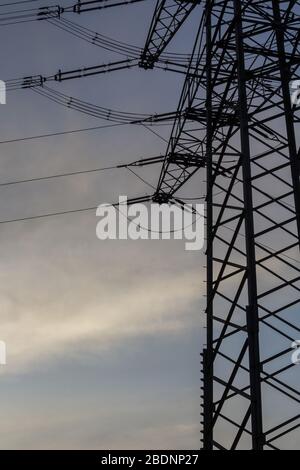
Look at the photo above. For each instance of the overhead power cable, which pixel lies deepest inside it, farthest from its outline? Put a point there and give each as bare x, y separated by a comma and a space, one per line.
74, 131
82, 7
55, 134
26, 15
38, 84
110, 44
101, 112
72, 211
35, 81
17, 3
138, 163
54, 15
143, 199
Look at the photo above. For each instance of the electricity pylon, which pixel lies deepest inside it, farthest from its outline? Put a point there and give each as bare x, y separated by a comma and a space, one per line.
236, 118
169, 15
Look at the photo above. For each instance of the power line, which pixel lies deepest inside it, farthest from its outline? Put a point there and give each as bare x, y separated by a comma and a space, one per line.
75, 131
55, 134
116, 205
120, 47
55, 11
66, 212
82, 7
48, 215
18, 3
140, 178
101, 112
136, 163
60, 175
39, 81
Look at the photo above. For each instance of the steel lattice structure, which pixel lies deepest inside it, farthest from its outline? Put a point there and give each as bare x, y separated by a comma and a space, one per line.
168, 17
236, 120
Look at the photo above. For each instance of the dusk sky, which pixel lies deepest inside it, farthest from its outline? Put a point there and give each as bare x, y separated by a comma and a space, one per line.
103, 338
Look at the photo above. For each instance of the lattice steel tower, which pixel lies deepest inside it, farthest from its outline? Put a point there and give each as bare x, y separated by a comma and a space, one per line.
236, 122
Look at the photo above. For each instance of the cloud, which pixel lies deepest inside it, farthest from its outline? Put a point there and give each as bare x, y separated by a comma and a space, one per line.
135, 426
43, 328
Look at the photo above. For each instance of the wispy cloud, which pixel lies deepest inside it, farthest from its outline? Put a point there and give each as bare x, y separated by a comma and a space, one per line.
41, 330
